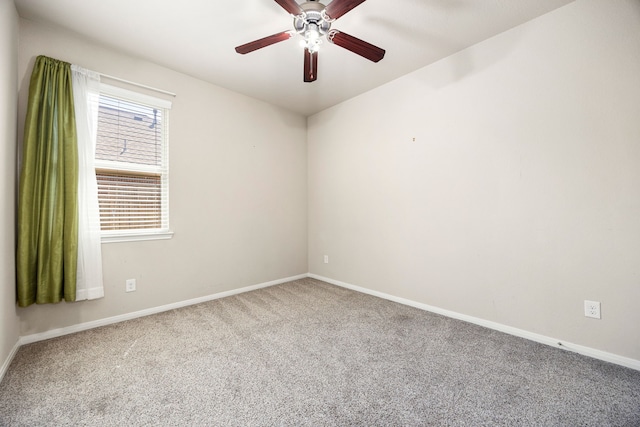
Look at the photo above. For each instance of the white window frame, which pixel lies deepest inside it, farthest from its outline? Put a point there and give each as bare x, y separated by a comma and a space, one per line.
164, 232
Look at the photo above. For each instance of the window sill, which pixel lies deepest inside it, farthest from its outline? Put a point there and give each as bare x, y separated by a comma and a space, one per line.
136, 236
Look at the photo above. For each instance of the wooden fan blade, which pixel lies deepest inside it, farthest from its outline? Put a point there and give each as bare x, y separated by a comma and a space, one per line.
355, 45
337, 8
310, 66
290, 6
260, 43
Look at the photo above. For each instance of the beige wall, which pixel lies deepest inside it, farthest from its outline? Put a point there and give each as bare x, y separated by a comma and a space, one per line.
517, 200
520, 196
9, 328
237, 182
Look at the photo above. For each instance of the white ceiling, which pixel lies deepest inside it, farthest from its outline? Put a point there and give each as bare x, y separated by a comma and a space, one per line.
197, 37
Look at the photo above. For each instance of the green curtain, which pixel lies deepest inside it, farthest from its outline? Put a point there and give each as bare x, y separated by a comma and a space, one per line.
47, 205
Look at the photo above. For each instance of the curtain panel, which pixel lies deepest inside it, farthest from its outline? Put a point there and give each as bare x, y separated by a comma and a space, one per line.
86, 94
48, 200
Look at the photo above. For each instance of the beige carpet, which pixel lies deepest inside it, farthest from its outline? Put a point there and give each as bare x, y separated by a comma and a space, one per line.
307, 353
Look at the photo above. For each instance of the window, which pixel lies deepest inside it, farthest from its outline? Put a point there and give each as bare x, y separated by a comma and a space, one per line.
132, 165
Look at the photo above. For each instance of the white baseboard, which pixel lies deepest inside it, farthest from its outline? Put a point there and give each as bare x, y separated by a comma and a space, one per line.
9, 359
586, 351
28, 339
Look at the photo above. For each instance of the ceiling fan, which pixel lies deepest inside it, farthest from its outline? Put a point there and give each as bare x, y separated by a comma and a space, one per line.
312, 20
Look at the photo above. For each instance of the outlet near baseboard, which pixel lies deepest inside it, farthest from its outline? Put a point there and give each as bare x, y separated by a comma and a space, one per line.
592, 309
131, 285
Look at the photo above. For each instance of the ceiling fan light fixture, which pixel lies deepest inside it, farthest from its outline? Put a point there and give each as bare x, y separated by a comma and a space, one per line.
312, 40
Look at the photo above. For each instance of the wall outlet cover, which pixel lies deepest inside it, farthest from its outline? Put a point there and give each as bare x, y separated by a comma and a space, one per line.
592, 309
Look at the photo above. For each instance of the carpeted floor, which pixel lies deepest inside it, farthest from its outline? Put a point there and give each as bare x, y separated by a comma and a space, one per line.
307, 353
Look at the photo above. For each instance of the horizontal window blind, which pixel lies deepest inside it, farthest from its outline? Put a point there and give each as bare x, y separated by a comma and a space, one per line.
132, 163
129, 201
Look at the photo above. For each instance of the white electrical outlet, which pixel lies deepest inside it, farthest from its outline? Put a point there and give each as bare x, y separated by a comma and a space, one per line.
592, 309
326, 259
131, 285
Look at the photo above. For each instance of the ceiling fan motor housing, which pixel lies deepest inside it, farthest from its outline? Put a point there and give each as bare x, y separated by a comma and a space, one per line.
313, 17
